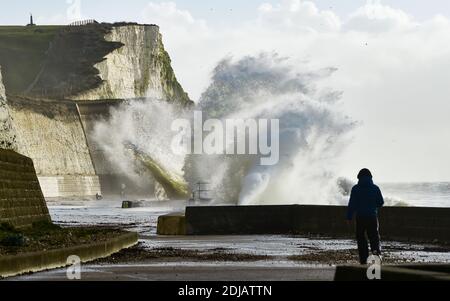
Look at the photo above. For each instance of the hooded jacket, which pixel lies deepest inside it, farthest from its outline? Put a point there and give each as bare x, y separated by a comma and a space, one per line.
365, 199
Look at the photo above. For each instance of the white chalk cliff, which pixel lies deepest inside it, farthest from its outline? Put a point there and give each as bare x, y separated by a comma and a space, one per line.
140, 68
7, 131
47, 119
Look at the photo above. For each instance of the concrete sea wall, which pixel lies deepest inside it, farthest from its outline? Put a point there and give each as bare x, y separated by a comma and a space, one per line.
51, 259
70, 186
403, 223
172, 224
52, 135
21, 198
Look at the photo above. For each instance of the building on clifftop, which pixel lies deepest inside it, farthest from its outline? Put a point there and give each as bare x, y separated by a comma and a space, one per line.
31, 21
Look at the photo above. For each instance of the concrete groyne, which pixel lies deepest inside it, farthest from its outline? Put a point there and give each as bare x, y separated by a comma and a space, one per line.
51, 259
400, 223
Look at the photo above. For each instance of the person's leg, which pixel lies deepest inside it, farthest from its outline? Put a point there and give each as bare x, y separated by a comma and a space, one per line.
361, 240
374, 236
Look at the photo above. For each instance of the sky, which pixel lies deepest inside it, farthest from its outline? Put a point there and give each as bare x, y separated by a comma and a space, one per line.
213, 11
393, 61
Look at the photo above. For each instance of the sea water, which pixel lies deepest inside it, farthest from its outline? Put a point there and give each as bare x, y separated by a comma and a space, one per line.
425, 194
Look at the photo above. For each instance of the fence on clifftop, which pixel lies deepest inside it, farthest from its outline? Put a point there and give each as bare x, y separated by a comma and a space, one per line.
83, 22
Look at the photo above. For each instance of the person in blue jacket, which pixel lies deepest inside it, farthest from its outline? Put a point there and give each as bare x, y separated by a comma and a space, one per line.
365, 201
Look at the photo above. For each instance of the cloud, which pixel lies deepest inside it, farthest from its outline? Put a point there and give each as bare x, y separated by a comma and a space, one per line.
376, 17
186, 38
73, 12
176, 21
297, 15
392, 69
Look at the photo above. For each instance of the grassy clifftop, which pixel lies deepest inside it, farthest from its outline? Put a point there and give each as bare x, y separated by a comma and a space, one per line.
52, 61
22, 53
69, 67
62, 62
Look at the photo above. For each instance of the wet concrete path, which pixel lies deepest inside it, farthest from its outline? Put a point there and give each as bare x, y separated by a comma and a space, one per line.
283, 257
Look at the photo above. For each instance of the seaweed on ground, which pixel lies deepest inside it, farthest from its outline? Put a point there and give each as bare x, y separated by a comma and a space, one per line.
141, 254
47, 236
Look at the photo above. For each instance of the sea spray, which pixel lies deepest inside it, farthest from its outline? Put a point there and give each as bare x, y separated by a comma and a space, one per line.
313, 133
229, 136
142, 125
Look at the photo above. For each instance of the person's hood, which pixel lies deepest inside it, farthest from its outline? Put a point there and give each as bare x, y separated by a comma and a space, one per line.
365, 181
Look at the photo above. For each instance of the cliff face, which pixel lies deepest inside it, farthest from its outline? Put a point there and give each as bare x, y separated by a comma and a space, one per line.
107, 61
51, 133
91, 67
140, 68
7, 131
